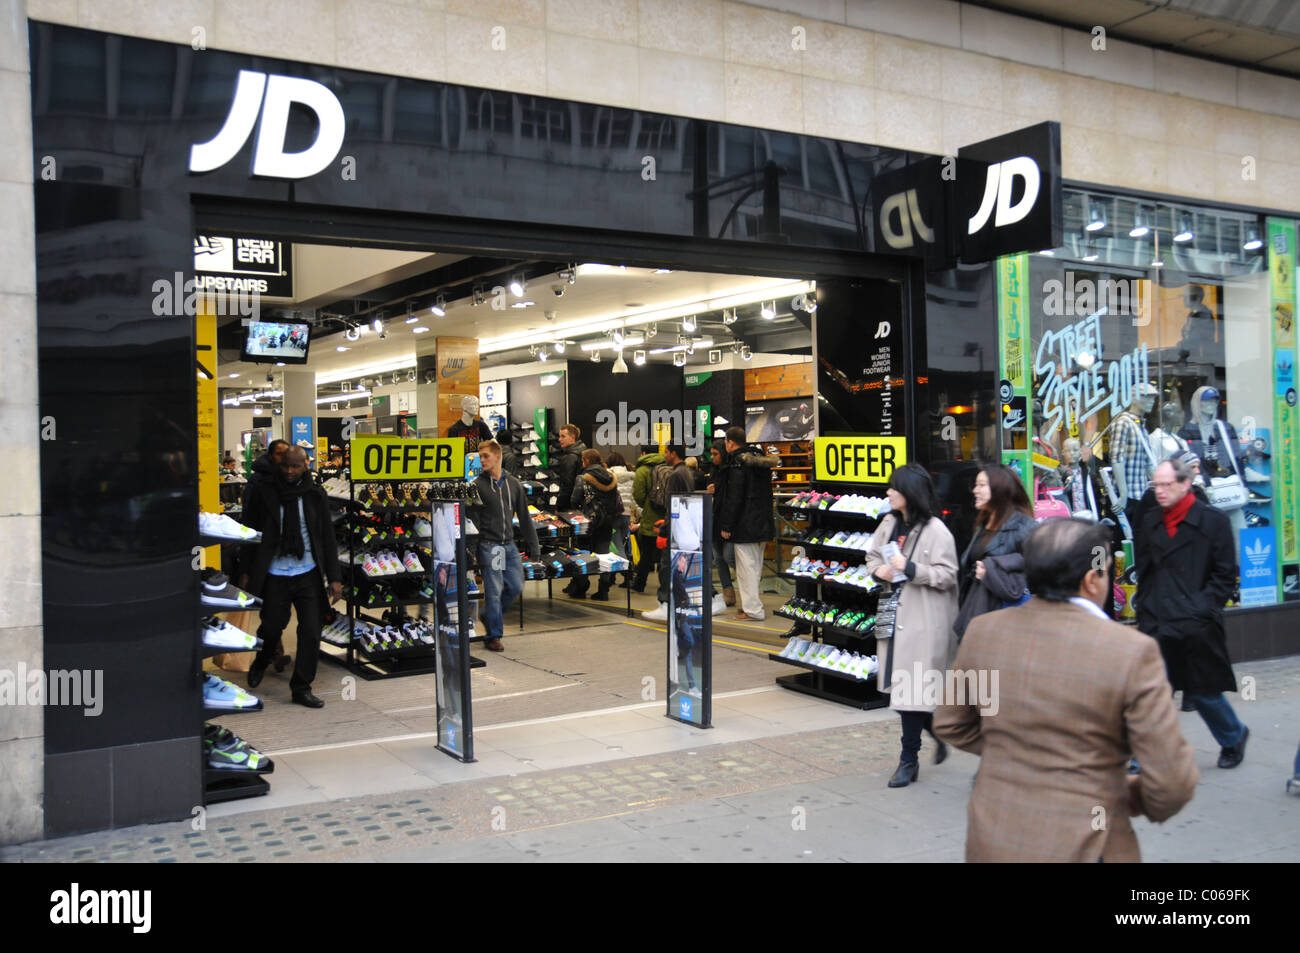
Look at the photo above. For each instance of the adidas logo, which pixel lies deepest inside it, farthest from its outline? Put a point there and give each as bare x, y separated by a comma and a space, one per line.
1258, 554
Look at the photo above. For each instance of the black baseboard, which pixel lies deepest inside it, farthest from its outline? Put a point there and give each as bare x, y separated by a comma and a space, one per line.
1264, 632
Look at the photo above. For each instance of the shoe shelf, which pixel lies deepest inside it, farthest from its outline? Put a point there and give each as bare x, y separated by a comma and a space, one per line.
829, 548
818, 668
224, 784
834, 686
830, 583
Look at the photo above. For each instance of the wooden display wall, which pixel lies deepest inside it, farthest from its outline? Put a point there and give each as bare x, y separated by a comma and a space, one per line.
780, 380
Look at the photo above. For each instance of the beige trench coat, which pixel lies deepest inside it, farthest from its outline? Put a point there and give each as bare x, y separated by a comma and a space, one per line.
926, 611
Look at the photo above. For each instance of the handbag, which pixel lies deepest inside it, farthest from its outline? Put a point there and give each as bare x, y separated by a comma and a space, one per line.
887, 609
1047, 506
1227, 493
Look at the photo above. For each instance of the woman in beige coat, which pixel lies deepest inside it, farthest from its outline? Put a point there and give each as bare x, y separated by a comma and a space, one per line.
923, 641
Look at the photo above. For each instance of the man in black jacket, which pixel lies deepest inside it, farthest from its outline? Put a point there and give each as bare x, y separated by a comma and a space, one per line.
567, 466
290, 566
1186, 570
746, 520
503, 498
264, 468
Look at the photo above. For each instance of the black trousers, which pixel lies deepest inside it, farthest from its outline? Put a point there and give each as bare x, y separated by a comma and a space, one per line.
913, 723
304, 592
649, 559
600, 540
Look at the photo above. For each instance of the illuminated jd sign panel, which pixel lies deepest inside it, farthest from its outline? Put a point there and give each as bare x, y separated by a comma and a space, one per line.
391, 458
858, 459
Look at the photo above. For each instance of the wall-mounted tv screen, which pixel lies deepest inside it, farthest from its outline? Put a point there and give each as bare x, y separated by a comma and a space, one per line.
268, 342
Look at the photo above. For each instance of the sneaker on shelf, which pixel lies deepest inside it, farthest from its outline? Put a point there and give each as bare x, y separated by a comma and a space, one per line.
1254, 476
219, 693
421, 528
789, 647
371, 566
226, 751
412, 562
829, 660
218, 592
220, 634
221, 526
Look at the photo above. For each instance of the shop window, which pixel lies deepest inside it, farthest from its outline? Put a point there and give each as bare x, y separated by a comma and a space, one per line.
545, 120
416, 113
78, 83
822, 175
961, 362
212, 84
657, 132
363, 102
147, 79
491, 112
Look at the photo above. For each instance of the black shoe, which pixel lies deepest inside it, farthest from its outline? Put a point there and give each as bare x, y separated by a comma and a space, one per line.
255, 673
907, 773
1187, 703
1231, 757
307, 699
941, 752
601, 595
282, 663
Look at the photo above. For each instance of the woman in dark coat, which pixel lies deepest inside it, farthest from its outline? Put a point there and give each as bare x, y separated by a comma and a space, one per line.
993, 567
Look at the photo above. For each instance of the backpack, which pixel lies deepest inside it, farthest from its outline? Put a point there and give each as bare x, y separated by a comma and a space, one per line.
659, 486
594, 507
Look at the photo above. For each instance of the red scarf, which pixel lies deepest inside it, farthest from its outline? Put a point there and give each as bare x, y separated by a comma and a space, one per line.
1174, 515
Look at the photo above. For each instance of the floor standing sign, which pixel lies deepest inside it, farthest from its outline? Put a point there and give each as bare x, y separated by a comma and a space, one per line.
451, 619
690, 624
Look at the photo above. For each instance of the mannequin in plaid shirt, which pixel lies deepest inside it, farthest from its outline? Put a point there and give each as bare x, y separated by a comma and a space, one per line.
1130, 451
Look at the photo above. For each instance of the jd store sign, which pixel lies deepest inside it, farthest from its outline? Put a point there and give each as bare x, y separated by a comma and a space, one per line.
995, 197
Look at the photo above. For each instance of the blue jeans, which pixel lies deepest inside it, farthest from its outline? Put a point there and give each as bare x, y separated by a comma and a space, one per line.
724, 556
621, 544
503, 581
1219, 718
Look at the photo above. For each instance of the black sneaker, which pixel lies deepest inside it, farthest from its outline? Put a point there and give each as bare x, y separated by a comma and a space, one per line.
1231, 757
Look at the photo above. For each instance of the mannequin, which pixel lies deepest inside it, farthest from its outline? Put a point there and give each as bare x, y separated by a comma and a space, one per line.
1164, 439
1131, 452
1205, 437
472, 429
1080, 488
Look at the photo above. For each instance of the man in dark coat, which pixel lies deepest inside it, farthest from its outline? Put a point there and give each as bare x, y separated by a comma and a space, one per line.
746, 519
566, 466
290, 567
1186, 570
264, 468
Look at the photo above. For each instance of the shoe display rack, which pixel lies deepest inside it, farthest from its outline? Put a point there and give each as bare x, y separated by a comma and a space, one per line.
232, 769
386, 553
834, 604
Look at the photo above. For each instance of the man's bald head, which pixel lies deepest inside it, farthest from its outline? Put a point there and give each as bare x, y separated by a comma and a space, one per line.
294, 464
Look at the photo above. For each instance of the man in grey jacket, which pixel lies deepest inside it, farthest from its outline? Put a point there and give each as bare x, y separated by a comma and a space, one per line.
503, 497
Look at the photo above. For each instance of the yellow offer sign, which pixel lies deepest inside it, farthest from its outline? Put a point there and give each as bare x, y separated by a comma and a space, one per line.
858, 459
393, 458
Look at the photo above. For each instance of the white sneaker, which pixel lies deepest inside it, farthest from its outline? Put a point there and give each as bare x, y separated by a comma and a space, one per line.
719, 604
828, 661
659, 614
220, 526
1254, 476
789, 647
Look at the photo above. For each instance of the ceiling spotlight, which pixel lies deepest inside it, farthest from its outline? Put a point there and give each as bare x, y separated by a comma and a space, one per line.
1092, 257
620, 365
1140, 227
595, 357
638, 358
517, 286
679, 359
410, 375
730, 317
617, 337
569, 274
745, 352
419, 330
690, 346
769, 311
1096, 221
479, 296
802, 302
662, 271
560, 346
410, 316
688, 324
439, 307
652, 331
236, 373
1252, 242
378, 325
543, 354
1185, 233
353, 332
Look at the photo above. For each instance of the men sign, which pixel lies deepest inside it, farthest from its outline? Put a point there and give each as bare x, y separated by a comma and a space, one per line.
858, 459
392, 458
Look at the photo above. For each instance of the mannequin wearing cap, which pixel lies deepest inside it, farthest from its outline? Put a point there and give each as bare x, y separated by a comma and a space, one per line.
473, 430
1205, 438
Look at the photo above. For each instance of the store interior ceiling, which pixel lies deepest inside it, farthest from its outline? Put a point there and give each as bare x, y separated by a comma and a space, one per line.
559, 310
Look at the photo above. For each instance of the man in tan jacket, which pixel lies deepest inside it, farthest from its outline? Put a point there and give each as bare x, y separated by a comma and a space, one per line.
1077, 696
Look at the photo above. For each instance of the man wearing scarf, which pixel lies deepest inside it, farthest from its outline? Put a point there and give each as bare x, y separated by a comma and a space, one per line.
289, 568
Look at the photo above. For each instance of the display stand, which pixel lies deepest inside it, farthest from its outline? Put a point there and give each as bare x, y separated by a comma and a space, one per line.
690, 613
226, 784
451, 619
379, 640
815, 680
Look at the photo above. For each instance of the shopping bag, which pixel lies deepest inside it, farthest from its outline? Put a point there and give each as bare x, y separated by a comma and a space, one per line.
1047, 506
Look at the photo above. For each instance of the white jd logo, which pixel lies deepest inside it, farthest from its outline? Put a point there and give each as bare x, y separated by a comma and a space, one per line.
271, 97
909, 218
998, 187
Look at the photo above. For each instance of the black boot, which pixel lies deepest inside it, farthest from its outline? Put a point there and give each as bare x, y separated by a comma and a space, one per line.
906, 773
